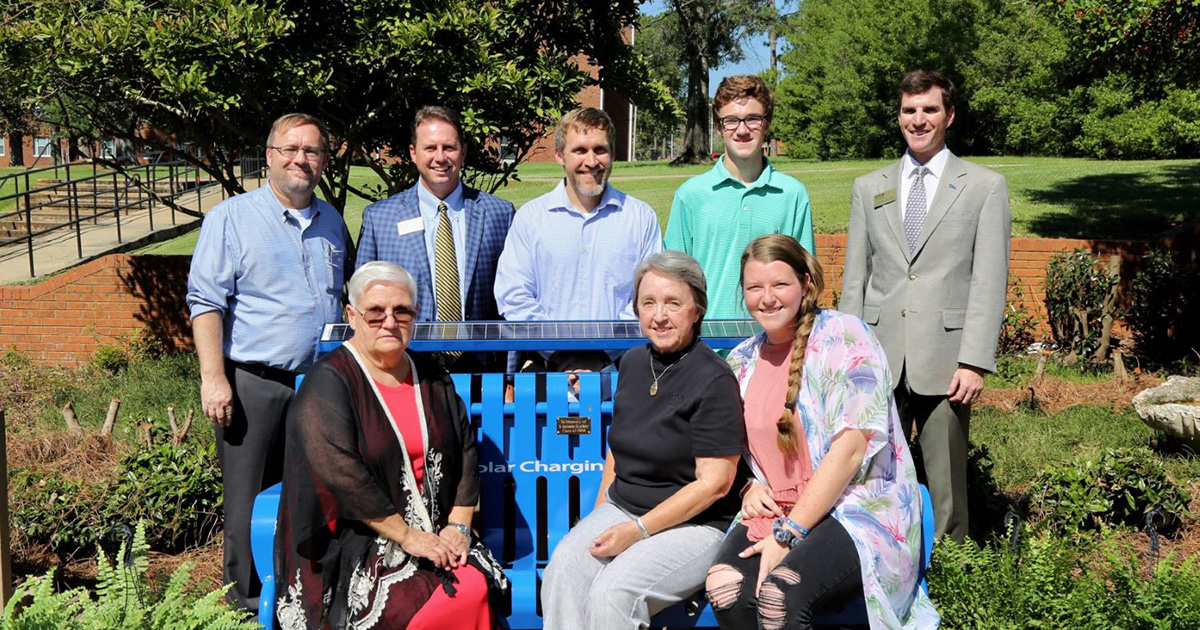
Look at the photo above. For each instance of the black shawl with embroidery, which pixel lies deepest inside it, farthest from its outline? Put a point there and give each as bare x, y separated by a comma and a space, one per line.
344, 463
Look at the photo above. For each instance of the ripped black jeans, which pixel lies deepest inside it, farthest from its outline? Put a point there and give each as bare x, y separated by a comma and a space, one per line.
821, 574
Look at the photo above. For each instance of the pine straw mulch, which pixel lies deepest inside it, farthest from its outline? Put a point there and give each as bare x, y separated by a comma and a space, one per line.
74, 456
74, 572
1180, 545
1051, 394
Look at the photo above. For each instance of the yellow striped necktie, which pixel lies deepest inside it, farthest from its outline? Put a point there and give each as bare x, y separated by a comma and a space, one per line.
449, 304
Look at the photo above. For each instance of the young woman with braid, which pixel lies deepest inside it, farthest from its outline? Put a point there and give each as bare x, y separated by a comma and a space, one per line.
834, 512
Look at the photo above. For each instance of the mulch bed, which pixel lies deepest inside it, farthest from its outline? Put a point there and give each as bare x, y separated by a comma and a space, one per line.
1052, 395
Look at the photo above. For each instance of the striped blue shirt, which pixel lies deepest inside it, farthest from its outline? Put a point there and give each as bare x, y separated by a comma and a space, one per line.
561, 264
275, 284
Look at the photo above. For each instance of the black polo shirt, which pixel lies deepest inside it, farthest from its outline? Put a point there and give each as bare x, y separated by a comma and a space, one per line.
655, 440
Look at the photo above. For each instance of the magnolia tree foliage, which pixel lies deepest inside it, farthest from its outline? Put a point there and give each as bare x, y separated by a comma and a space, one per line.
1152, 38
216, 73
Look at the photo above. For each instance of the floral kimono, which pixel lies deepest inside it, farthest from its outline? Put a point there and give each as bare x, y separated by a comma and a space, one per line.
846, 385
345, 463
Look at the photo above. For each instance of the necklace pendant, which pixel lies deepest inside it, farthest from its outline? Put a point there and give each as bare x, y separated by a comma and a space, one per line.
654, 388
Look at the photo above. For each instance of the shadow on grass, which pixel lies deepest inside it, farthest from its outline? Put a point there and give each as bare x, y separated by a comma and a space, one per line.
1120, 205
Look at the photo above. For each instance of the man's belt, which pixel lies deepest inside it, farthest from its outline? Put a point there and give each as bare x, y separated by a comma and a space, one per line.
279, 375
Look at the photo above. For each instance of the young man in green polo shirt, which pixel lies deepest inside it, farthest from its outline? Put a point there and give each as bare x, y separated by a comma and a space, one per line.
715, 215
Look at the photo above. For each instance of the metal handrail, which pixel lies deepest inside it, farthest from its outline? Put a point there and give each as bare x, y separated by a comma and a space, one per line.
177, 174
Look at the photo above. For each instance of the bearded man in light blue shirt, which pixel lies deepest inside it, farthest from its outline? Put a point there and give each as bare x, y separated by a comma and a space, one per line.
570, 253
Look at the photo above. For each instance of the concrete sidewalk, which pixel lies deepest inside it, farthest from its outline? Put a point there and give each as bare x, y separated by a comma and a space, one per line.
61, 248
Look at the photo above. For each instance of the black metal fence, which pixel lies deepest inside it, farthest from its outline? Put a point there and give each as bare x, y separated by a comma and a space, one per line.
39, 201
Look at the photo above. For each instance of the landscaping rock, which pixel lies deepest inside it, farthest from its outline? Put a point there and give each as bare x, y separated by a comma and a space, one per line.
1173, 408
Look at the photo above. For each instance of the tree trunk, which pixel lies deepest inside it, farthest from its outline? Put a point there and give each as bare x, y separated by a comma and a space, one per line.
699, 121
16, 149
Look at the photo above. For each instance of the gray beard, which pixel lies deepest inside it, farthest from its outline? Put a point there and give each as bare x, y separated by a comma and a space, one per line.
585, 190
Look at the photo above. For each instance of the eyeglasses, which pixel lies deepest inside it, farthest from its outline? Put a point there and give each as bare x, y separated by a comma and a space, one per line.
311, 154
754, 122
375, 317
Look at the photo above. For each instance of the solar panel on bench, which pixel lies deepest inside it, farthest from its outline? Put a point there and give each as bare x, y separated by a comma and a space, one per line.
544, 336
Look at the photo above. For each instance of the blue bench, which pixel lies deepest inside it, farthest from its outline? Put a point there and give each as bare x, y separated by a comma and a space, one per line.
535, 484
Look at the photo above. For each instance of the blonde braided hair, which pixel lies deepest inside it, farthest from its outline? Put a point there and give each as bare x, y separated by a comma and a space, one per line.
767, 249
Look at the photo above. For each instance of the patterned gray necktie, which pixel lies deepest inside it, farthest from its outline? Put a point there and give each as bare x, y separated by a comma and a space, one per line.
915, 209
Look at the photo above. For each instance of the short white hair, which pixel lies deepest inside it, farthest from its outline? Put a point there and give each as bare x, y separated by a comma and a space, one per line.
379, 271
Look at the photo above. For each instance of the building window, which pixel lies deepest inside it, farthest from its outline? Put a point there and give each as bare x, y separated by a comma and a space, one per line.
109, 149
41, 147
1, 146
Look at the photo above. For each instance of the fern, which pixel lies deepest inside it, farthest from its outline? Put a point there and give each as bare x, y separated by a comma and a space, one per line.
123, 600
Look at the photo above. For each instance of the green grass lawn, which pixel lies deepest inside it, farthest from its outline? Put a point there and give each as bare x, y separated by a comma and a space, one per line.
7, 186
1050, 197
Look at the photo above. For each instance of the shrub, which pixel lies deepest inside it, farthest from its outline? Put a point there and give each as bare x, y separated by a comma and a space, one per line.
1048, 581
1080, 304
111, 359
176, 489
60, 513
1164, 308
1118, 489
1016, 332
123, 600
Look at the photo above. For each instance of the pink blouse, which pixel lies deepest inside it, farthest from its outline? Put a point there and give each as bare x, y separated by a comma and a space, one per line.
786, 475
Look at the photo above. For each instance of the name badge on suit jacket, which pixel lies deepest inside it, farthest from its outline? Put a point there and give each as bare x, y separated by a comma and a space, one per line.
884, 198
408, 226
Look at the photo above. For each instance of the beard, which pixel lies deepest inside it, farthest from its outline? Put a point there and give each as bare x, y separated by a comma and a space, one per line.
288, 184
584, 189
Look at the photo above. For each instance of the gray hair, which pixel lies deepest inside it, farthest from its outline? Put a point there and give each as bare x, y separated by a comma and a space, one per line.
379, 271
679, 266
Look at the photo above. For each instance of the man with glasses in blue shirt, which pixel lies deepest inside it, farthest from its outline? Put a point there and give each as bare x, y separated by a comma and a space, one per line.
266, 276
716, 215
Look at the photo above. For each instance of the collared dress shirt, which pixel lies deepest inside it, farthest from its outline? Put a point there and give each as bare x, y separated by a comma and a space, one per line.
715, 216
561, 264
275, 284
936, 165
427, 203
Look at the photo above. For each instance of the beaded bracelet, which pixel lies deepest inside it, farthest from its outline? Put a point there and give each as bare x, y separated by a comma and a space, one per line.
796, 526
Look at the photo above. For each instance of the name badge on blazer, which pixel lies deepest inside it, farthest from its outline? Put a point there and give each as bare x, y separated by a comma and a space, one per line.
884, 198
408, 226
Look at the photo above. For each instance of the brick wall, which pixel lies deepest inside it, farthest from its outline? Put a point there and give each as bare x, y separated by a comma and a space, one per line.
64, 319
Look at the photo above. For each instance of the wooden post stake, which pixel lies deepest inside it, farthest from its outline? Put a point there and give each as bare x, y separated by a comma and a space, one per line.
6, 583
111, 418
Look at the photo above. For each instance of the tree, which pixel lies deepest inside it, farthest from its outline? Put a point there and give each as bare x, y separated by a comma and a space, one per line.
1158, 40
838, 97
653, 43
217, 73
707, 32
1027, 81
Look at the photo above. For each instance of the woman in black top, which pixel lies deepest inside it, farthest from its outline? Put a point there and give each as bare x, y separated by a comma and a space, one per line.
664, 501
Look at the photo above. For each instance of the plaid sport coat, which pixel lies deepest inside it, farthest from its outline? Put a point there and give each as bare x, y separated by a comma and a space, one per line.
488, 219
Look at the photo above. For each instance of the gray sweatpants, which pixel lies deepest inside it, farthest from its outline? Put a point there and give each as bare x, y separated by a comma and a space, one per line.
580, 591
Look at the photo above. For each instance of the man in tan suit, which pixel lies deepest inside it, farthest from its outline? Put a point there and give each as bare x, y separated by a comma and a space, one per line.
927, 269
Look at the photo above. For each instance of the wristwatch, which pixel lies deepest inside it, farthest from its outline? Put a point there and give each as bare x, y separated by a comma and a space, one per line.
462, 528
785, 536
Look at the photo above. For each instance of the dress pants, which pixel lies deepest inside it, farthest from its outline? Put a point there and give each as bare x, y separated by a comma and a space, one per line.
250, 450
940, 454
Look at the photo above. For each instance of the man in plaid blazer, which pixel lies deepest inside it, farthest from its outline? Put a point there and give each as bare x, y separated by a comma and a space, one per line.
402, 229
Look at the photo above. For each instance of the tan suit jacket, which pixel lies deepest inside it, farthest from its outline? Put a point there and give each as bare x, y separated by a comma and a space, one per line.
943, 304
